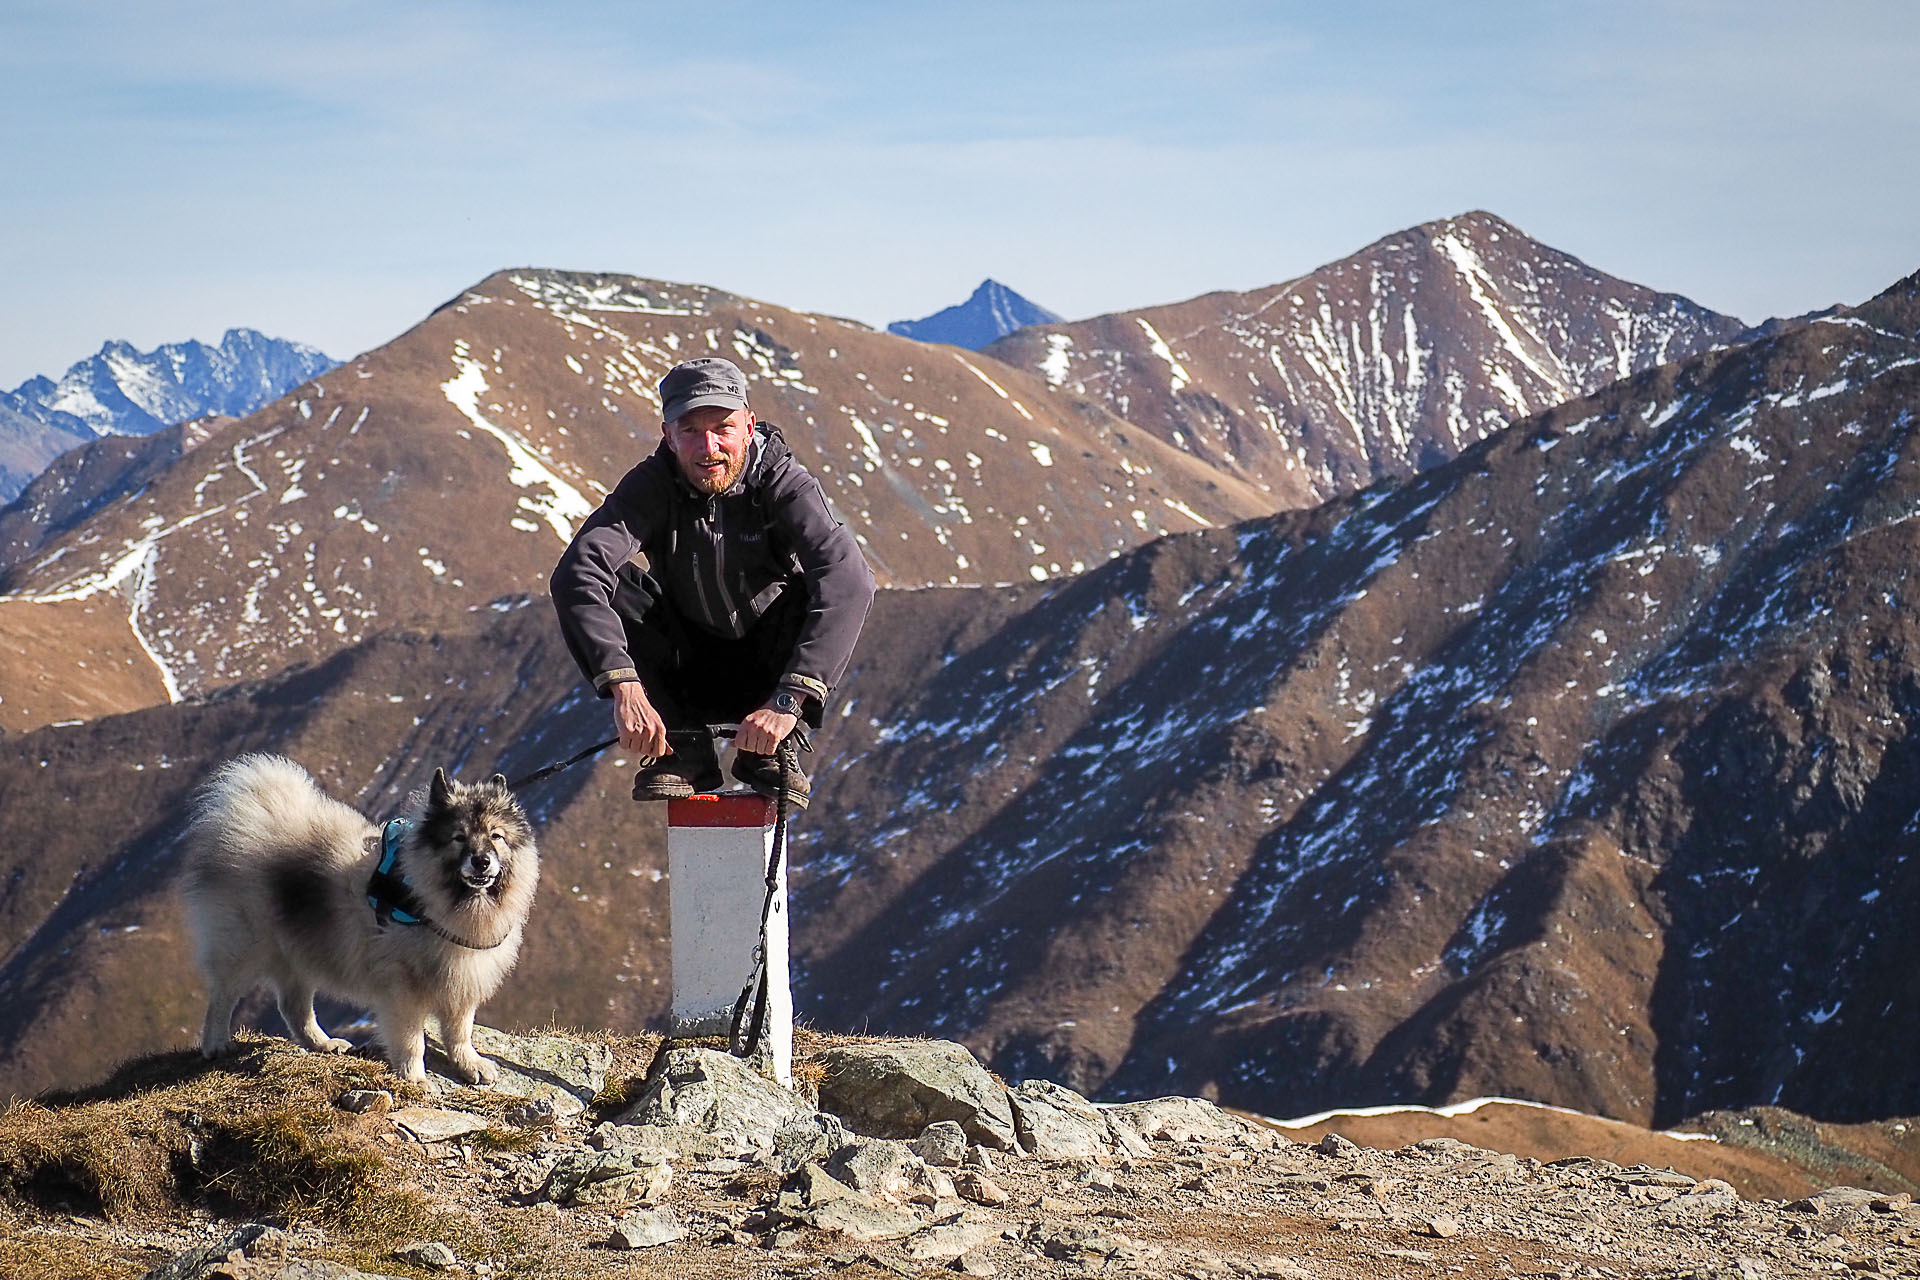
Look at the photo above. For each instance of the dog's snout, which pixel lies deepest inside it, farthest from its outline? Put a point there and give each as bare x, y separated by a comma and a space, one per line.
482, 864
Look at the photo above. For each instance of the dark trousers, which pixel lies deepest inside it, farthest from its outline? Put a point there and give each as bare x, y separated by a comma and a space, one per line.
694, 677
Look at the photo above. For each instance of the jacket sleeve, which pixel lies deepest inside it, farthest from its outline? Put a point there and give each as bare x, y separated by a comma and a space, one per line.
583, 583
839, 586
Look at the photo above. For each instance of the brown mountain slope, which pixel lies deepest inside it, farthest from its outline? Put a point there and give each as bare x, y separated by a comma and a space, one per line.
447, 468
1377, 365
1575, 770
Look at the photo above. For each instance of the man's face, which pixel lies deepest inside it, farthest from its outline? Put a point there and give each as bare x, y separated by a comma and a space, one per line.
710, 444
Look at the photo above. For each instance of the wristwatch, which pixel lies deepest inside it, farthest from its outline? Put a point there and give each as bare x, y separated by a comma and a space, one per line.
787, 703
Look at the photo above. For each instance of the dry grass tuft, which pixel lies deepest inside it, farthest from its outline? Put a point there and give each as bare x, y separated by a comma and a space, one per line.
255, 1133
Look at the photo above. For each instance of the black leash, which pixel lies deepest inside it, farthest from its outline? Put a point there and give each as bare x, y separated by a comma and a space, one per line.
755, 991
675, 737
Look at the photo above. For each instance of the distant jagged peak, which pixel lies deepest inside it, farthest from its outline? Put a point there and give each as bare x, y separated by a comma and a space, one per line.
122, 390
990, 312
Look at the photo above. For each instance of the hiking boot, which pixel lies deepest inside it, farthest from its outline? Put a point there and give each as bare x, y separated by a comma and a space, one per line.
762, 773
689, 771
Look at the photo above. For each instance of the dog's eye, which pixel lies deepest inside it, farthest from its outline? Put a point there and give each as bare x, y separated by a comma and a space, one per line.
499, 837
459, 837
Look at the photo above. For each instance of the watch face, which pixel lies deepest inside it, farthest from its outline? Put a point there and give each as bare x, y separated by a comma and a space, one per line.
786, 704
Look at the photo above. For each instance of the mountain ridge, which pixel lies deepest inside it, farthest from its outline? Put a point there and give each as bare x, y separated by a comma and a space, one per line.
1374, 366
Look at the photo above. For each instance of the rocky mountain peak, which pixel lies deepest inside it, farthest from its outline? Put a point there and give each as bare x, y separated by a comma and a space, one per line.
991, 311
1387, 361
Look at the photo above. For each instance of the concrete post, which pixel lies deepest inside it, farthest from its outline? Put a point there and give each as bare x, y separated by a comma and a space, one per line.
717, 852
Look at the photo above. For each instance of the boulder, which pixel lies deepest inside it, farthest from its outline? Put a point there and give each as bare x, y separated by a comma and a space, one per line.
819, 1200
889, 1170
435, 1124
877, 1167
950, 1240
808, 1138
645, 1229
895, 1090
1188, 1120
717, 1093
610, 1179
569, 1073
942, 1143
670, 1142
429, 1255
1055, 1123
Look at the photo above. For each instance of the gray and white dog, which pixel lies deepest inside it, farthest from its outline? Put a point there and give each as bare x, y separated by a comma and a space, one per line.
423, 918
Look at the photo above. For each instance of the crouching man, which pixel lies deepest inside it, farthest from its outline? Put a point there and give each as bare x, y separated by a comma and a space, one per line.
749, 606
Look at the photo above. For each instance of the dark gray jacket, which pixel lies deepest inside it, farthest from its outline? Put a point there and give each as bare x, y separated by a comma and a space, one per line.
722, 561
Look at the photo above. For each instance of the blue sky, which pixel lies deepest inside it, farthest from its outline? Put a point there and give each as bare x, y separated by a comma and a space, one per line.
331, 171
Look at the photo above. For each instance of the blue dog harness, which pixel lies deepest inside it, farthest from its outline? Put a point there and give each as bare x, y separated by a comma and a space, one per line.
388, 893
393, 899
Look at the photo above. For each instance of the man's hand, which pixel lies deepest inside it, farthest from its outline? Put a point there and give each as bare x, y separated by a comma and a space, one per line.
640, 727
763, 731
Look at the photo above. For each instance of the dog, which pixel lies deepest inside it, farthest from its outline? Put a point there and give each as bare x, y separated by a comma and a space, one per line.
422, 918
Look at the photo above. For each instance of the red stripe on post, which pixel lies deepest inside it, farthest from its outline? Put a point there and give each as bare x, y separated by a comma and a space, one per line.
720, 811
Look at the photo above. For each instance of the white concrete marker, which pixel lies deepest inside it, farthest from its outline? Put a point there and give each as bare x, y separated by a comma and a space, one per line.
717, 851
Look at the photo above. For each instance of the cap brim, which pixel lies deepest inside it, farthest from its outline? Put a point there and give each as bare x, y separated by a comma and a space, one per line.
680, 408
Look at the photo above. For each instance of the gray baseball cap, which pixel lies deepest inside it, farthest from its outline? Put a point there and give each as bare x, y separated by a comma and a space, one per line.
696, 383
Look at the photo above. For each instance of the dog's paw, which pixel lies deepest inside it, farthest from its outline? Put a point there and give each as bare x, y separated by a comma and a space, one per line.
476, 1070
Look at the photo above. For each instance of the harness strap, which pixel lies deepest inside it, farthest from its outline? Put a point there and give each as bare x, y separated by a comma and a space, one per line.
393, 899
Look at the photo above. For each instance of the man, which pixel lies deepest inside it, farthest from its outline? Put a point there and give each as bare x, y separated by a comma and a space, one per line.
749, 606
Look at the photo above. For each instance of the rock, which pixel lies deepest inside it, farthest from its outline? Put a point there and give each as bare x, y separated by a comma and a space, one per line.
977, 1187
952, 1240
1094, 1177
1094, 1246
878, 1167
194, 1261
1442, 1227
671, 1142
611, 1179
1335, 1145
1275, 1267
1187, 1120
430, 1254
1889, 1204
715, 1092
541, 1113
942, 1143
569, 1073
976, 1263
895, 1090
810, 1137
363, 1101
859, 1218
981, 1158
1055, 1123
433, 1124
646, 1228
813, 1185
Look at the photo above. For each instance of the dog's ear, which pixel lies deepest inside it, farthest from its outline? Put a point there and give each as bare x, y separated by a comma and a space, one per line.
440, 793
499, 781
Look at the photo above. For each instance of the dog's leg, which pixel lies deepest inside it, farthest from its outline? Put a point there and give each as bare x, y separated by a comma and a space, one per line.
296, 1010
456, 1028
216, 1034
403, 1029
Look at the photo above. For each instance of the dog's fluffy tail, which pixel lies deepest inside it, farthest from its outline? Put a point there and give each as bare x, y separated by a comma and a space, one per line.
257, 805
